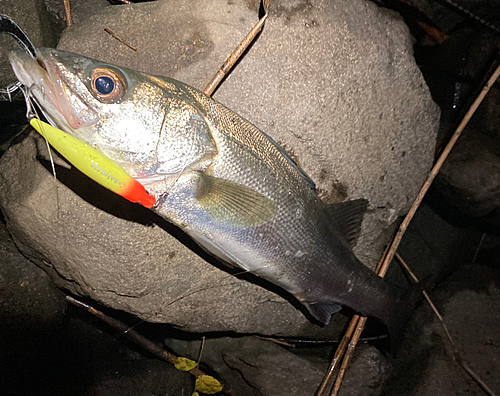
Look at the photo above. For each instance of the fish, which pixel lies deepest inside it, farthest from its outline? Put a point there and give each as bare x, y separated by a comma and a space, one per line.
225, 183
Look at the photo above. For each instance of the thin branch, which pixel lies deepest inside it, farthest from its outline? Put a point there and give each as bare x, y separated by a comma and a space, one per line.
456, 353
233, 58
385, 262
478, 248
67, 10
338, 354
350, 351
119, 39
133, 335
126, 1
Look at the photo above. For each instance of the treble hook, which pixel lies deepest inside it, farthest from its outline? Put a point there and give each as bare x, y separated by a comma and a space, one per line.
7, 25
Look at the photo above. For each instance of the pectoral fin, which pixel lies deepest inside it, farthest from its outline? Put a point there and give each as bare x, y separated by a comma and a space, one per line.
232, 203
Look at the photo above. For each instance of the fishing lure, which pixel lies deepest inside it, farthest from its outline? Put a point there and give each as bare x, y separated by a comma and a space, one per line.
89, 161
94, 164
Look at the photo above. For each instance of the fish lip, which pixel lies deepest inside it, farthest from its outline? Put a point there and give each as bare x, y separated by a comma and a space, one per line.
44, 81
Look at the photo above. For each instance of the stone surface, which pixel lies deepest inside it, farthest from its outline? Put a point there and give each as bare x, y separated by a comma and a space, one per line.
470, 304
334, 82
80, 10
265, 368
469, 180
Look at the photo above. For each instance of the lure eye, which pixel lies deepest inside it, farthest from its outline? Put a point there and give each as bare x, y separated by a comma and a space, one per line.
107, 85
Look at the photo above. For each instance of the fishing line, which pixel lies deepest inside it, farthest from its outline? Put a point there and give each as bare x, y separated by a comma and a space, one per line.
7, 25
32, 113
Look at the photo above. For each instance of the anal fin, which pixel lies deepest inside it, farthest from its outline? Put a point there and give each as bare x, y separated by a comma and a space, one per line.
322, 311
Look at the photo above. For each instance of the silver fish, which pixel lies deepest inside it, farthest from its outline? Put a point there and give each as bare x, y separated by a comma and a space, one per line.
225, 183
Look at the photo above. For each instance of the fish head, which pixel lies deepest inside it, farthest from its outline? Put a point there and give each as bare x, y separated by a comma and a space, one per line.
120, 112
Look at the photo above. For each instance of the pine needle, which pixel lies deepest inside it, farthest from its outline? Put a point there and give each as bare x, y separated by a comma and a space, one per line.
112, 34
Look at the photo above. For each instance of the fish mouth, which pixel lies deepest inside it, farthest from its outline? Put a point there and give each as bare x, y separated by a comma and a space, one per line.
46, 84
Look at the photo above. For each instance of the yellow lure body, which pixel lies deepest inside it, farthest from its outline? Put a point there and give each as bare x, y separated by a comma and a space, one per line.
94, 164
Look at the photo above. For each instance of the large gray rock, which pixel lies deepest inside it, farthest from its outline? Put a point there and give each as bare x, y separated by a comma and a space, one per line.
334, 82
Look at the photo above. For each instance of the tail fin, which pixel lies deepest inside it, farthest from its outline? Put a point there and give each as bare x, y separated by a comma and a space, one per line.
403, 311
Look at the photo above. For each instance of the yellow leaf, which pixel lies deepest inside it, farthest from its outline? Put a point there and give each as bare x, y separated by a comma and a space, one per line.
207, 384
184, 364
195, 394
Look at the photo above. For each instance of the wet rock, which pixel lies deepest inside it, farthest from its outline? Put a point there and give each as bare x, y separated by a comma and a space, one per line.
258, 367
334, 83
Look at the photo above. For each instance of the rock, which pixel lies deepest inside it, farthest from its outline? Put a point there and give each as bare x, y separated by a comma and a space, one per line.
80, 10
34, 20
36, 298
469, 181
470, 178
265, 368
470, 304
334, 83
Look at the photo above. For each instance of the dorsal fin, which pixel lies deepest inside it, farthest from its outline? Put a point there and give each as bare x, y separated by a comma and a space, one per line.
348, 216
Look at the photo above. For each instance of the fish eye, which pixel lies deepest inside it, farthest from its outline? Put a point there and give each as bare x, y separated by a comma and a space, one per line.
107, 85
104, 85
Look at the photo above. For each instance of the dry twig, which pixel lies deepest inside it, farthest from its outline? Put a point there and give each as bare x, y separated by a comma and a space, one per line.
67, 10
384, 266
456, 354
233, 58
133, 335
338, 354
119, 39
